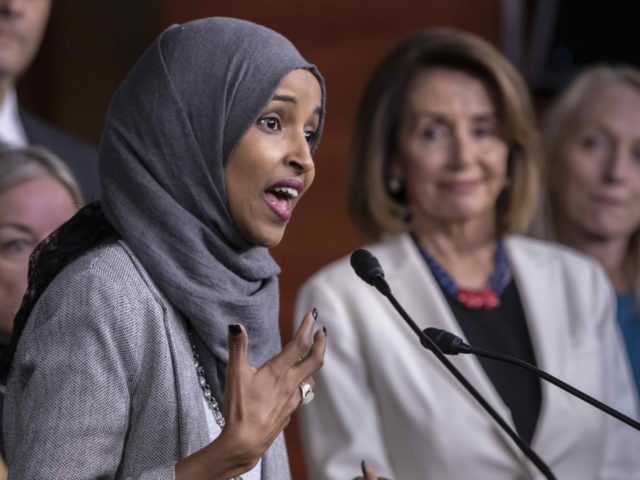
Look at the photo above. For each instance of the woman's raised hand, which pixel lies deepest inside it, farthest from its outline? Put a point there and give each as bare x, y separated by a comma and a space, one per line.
258, 402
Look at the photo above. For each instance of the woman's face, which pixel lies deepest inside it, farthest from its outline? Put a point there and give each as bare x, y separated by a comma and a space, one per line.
272, 167
29, 212
597, 182
451, 157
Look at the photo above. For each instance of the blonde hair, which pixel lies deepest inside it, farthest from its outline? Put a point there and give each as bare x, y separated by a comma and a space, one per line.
372, 206
572, 98
18, 165
557, 123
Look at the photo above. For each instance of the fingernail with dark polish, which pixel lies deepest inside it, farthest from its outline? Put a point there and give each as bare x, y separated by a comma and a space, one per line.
314, 313
324, 330
234, 329
362, 465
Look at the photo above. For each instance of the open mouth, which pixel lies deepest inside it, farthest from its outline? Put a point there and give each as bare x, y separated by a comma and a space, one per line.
284, 193
280, 198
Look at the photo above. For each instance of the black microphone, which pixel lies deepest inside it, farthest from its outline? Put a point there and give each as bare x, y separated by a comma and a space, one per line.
368, 269
448, 342
452, 345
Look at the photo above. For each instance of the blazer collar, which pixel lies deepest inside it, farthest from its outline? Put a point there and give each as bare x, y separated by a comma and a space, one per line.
539, 279
417, 290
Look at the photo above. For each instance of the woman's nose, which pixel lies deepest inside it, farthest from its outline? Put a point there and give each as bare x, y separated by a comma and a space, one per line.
299, 157
617, 167
463, 150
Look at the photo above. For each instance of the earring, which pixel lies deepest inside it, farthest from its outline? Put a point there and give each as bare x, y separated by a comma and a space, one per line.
394, 185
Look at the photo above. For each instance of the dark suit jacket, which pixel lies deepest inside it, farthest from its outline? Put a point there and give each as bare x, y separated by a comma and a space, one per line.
79, 156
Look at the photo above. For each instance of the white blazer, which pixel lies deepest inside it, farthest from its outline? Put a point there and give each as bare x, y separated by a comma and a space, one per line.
381, 397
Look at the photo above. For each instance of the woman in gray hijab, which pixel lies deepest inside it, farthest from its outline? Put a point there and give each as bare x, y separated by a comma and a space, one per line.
147, 345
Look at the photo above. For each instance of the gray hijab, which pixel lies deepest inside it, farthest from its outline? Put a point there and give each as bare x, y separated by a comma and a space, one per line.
171, 127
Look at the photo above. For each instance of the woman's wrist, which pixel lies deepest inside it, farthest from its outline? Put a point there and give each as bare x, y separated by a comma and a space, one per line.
226, 457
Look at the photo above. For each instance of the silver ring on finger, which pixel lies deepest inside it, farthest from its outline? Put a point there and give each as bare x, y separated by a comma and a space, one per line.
307, 393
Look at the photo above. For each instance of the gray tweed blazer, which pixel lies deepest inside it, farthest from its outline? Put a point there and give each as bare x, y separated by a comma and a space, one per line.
103, 383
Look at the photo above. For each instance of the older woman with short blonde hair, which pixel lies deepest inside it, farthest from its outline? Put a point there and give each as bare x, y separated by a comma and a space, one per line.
37, 194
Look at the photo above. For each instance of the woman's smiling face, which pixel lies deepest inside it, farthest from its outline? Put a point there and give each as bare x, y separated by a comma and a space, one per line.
272, 166
451, 156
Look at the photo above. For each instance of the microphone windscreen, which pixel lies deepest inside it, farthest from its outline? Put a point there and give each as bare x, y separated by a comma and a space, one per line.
366, 266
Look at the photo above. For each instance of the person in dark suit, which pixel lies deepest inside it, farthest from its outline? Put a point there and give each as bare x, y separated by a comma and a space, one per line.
22, 24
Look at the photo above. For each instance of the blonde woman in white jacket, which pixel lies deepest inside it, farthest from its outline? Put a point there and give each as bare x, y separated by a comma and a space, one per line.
446, 160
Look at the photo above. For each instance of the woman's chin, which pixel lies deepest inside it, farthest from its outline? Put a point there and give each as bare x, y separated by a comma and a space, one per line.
268, 236
460, 214
608, 229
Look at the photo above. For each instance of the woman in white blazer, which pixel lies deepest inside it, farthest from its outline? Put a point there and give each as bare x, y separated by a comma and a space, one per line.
446, 169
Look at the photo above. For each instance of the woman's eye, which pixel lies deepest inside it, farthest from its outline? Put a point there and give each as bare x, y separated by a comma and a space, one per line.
592, 142
17, 247
429, 134
484, 132
269, 123
433, 133
311, 136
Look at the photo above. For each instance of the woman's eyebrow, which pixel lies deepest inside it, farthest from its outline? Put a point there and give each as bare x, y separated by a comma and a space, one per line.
285, 98
486, 117
18, 226
292, 99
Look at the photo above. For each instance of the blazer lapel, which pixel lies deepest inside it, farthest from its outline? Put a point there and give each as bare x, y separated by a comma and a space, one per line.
193, 433
540, 286
418, 291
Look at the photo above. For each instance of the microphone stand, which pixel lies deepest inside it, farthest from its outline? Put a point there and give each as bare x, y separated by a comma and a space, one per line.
459, 346
383, 287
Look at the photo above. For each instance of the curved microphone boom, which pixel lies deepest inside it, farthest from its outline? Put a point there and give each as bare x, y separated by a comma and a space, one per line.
368, 269
452, 345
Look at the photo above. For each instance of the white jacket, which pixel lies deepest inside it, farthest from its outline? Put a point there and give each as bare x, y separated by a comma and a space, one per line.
381, 397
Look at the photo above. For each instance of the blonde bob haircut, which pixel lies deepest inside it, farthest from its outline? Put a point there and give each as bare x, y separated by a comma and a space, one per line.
19, 165
558, 122
373, 207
